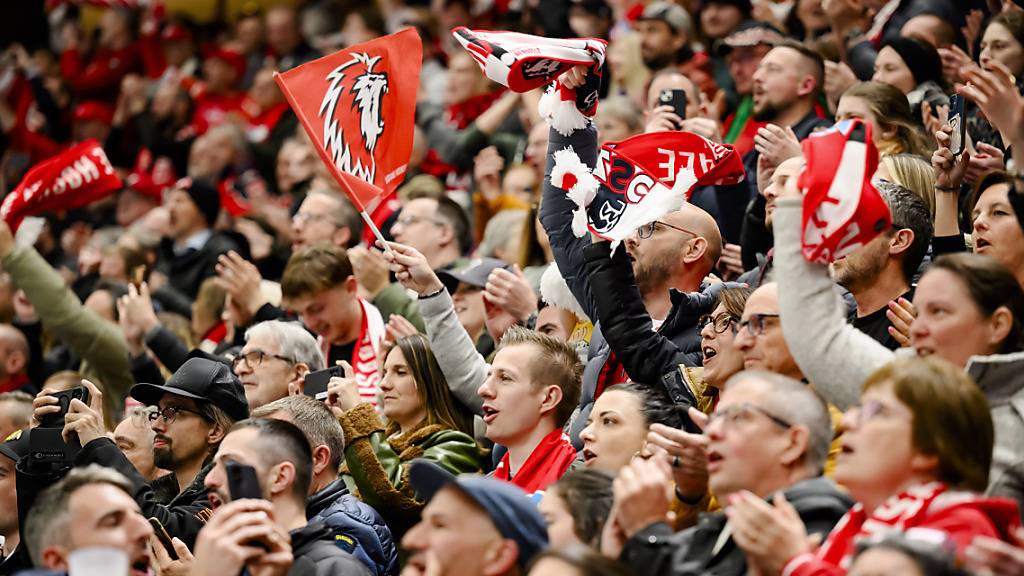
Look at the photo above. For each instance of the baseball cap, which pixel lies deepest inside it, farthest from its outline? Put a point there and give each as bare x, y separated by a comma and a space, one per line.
200, 379
16, 445
233, 58
175, 31
475, 274
750, 33
677, 18
512, 511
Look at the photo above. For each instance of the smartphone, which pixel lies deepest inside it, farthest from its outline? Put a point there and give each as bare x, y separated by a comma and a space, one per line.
161, 534
316, 382
958, 137
676, 99
64, 398
242, 481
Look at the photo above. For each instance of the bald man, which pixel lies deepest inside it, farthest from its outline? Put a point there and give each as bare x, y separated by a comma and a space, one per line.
14, 357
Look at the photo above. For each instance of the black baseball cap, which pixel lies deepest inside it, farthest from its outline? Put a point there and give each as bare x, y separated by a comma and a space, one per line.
512, 511
475, 274
16, 445
200, 379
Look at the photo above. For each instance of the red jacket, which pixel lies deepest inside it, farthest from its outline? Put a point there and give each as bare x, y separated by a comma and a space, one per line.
960, 515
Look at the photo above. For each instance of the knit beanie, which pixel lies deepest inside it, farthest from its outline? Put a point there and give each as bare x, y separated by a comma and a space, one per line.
922, 59
206, 198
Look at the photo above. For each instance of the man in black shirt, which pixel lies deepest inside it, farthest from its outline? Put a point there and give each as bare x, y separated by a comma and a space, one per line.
882, 270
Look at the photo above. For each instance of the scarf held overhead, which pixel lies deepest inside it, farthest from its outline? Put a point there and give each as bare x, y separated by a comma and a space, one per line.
78, 176
640, 179
842, 208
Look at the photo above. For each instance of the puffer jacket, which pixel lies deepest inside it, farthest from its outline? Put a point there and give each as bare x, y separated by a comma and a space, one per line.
314, 554
358, 529
376, 462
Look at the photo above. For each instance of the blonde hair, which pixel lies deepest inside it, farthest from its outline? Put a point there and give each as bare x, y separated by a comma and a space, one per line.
914, 173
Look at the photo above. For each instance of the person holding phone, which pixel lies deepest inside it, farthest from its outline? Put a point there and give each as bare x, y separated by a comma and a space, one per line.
265, 466
423, 420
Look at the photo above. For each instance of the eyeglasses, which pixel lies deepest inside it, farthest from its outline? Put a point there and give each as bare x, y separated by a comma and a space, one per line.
720, 323
755, 324
410, 220
303, 217
743, 412
870, 410
254, 358
647, 230
171, 412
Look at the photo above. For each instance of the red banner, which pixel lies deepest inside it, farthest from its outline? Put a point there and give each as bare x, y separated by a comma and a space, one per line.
78, 176
359, 107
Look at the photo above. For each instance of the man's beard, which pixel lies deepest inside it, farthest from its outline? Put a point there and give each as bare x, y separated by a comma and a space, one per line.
768, 112
652, 275
163, 458
858, 276
659, 61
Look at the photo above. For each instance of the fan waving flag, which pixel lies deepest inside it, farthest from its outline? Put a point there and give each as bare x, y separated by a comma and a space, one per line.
842, 208
640, 179
78, 176
359, 108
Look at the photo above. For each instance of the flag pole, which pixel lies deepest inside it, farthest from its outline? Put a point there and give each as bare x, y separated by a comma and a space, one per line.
376, 231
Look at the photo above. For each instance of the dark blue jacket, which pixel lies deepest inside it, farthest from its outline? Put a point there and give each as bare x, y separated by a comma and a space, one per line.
358, 528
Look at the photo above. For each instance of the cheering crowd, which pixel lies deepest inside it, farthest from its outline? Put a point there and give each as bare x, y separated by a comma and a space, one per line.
469, 287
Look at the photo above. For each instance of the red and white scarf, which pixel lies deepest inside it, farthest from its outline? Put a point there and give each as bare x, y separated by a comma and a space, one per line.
842, 208
365, 352
546, 464
924, 507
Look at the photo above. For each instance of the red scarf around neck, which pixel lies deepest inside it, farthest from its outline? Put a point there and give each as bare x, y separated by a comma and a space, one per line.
546, 464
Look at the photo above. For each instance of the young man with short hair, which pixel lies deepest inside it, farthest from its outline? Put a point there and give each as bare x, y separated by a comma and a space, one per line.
358, 528
319, 286
531, 391
283, 460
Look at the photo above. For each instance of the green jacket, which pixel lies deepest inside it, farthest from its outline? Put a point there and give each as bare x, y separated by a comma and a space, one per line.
393, 299
376, 466
99, 344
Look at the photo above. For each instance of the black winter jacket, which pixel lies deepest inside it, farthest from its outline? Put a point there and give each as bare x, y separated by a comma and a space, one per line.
185, 273
657, 551
314, 554
570, 256
183, 516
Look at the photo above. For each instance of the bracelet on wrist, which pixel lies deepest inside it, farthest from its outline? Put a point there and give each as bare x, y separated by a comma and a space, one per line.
432, 294
947, 188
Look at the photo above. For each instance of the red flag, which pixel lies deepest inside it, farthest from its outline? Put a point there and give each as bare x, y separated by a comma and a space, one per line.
78, 176
359, 107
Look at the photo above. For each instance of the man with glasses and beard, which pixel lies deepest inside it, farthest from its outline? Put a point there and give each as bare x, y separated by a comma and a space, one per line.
194, 410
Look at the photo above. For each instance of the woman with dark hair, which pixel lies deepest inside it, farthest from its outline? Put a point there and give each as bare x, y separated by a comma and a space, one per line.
995, 224
424, 420
917, 450
1002, 41
914, 68
576, 506
894, 128
616, 428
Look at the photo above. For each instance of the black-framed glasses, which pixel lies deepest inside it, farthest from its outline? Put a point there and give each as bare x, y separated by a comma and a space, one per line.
755, 324
720, 323
742, 412
647, 230
171, 412
254, 358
